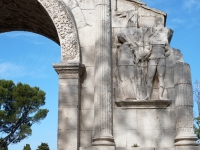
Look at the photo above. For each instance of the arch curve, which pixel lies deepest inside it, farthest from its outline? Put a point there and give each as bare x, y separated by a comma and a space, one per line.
50, 18
66, 29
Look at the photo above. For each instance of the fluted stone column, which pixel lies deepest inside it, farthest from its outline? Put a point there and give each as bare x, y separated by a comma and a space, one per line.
184, 106
69, 105
103, 125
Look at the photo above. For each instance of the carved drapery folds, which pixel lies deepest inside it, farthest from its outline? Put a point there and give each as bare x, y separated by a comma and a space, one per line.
66, 28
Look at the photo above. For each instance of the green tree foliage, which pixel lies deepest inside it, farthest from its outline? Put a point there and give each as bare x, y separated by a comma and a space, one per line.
197, 100
4, 145
43, 146
196, 94
27, 147
20, 109
197, 127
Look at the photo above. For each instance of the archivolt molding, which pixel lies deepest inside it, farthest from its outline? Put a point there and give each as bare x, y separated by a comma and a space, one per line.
66, 28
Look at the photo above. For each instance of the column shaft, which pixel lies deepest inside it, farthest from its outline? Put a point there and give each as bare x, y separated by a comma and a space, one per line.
103, 126
184, 106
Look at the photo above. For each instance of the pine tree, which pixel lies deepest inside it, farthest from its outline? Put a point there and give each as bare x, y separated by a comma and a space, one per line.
43, 146
27, 147
19, 110
4, 145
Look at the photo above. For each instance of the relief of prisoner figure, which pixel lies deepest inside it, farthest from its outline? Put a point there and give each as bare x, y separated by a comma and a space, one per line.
126, 68
157, 59
142, 53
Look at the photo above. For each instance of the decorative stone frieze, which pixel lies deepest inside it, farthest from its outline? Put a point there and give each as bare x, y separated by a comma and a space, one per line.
66, 28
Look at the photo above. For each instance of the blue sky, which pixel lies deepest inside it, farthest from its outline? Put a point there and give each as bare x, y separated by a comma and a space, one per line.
183, 17
27, 57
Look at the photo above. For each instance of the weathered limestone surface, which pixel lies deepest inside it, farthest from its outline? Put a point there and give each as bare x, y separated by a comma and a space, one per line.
147, 148
130, 127
187, 148
98, 148
69, 105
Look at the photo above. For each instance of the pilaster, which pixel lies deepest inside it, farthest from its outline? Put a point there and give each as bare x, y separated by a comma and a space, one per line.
69, 105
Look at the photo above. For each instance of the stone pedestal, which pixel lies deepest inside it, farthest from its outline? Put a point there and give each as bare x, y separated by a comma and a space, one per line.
103, 122
187, 148
184, 106
69, 99
103, 148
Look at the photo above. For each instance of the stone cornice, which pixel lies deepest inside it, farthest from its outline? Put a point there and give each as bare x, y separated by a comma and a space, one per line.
74, 68
144, 104
142, 4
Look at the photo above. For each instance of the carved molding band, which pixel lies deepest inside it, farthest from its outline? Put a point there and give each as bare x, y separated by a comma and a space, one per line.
69, 68
144, 104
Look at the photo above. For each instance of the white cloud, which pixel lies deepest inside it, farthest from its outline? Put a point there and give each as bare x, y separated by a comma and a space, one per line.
8, 70
178, 20
191, 4
21, 34
27, 36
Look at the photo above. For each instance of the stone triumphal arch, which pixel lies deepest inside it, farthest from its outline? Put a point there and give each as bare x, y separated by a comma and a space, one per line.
121, 84
50, 18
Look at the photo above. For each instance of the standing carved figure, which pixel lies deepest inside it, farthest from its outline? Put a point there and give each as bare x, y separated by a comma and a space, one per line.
157, 59
126, 68
141, 55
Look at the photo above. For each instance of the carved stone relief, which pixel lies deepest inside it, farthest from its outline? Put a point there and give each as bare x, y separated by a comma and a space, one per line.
141, 55
126, 68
